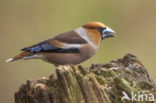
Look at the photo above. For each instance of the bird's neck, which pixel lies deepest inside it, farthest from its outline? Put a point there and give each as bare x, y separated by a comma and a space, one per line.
94, 36
94, 42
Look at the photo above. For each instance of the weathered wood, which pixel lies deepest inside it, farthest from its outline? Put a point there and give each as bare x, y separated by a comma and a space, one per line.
101, 83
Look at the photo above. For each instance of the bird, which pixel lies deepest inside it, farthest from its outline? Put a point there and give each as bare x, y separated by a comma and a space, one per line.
68, 48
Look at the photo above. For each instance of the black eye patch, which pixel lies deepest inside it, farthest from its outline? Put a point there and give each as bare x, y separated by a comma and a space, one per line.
100, 29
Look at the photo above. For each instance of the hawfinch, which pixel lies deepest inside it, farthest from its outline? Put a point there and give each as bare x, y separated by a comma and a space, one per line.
72, 47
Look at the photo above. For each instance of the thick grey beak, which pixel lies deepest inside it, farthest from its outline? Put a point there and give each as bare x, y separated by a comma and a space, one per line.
108, 32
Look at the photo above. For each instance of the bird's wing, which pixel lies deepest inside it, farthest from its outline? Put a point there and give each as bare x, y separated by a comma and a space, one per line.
70, 37
63, 43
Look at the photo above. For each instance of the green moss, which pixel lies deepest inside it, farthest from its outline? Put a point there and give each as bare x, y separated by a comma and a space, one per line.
108, 73
100, 80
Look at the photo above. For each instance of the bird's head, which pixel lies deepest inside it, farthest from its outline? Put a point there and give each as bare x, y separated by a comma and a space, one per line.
104, 31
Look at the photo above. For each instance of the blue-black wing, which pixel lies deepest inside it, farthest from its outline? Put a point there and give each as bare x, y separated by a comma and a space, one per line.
46, 47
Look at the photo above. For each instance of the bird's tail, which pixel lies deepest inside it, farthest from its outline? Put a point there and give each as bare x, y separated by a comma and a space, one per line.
19, 56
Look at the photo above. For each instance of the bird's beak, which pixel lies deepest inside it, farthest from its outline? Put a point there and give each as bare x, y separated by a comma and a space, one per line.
108, 32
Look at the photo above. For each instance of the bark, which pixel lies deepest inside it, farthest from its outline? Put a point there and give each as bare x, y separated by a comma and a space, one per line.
101, 83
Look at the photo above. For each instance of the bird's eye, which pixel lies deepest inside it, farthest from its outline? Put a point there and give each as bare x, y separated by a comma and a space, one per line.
104, 28
100, 29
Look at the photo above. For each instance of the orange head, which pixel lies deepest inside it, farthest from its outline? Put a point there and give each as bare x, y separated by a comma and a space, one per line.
99, 28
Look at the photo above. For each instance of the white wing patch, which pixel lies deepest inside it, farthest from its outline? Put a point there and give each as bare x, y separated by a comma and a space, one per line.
68, 46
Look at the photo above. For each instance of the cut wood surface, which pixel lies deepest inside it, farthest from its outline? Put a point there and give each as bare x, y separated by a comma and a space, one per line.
101, 83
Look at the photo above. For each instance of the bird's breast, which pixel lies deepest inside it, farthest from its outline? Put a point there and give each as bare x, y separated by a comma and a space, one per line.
85, 52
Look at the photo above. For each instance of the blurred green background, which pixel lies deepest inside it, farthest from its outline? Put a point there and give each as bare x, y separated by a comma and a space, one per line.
26, 22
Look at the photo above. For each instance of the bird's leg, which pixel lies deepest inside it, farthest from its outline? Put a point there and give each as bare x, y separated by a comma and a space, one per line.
63, 66
59, 66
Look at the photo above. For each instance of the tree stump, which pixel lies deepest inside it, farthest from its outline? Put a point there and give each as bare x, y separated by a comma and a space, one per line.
123, 81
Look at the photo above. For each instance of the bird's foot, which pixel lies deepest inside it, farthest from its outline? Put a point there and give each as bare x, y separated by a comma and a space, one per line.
63, 66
